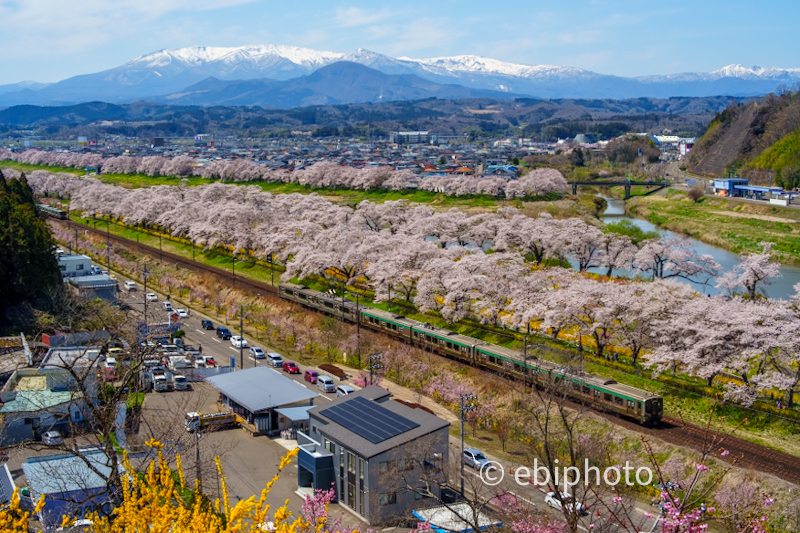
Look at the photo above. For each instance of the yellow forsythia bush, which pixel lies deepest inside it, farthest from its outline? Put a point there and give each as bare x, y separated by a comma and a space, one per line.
152, 502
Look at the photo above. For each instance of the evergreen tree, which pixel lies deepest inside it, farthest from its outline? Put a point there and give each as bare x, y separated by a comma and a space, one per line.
28, 267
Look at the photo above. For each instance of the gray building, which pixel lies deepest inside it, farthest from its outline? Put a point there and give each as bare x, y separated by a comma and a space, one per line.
381, 456
95, 286
72, 265
257, 393
409, 137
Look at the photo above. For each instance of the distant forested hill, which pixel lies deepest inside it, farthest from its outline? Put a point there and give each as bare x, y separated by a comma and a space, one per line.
472, 118
760, 140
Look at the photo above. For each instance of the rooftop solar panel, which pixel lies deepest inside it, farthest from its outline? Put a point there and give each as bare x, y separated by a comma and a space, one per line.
368, 419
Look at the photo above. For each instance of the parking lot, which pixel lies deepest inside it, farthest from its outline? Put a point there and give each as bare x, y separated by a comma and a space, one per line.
248, 462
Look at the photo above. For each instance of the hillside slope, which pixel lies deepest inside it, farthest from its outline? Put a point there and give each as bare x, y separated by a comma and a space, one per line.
760, 140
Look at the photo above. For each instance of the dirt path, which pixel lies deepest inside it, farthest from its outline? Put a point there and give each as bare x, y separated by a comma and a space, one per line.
767, 218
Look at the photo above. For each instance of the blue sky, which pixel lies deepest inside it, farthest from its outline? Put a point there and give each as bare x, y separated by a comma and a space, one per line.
49, 40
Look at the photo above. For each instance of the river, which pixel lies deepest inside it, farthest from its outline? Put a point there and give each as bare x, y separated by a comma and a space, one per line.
781, 288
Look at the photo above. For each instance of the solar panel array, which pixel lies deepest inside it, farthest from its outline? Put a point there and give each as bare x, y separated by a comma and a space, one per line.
368, 419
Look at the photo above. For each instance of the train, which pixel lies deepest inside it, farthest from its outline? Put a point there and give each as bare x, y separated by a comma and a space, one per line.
52, 211
604, 394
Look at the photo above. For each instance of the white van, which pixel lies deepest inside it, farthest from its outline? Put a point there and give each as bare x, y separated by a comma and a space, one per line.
130, 285
326, 384
344, 390
274, 359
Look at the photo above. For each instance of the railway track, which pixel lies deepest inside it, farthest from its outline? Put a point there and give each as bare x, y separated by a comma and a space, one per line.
673, 430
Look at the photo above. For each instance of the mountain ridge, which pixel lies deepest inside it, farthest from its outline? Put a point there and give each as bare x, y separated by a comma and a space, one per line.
166, 71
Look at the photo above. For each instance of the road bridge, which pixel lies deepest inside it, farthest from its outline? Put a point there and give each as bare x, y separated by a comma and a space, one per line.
627, 184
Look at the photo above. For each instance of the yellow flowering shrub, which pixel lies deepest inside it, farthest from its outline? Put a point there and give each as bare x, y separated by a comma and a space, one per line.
154, 501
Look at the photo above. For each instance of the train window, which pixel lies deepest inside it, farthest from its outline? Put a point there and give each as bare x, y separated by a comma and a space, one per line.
606, 396
576, 386
586, 390
394, 327
618, 400
631, 404
597, 393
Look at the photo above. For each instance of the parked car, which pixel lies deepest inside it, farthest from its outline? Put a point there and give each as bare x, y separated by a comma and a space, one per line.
167, 306
326, 384
257, 353
344, 390
151, 297
52, 438
238, 342
206, 324
96, 270
290, 367
274, 359
83, 525
223, 333
564, 498
311, 376
474, 458
182, 313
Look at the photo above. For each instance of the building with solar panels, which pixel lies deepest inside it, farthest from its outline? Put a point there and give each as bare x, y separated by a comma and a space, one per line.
382, 456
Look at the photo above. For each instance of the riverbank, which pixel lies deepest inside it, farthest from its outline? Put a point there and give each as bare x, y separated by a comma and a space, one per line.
734, 226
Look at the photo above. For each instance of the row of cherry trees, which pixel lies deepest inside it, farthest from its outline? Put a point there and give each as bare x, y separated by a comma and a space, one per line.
539, 182
436, 261
740, 506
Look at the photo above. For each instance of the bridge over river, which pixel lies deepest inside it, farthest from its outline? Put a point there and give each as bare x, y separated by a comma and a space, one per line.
627, 184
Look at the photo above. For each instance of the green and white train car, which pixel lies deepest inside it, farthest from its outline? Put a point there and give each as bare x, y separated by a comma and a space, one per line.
601, 393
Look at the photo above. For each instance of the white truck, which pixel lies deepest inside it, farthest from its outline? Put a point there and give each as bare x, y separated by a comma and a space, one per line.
160, 383
179, 362
198, 421
179, 382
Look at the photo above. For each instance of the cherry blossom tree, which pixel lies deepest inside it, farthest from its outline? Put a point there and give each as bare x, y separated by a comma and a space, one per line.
754, 271
618, 252
675, 257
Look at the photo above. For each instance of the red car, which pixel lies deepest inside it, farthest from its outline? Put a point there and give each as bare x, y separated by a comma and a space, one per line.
311, 376
290, 367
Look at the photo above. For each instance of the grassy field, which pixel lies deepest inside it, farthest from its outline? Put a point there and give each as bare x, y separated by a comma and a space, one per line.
731, 225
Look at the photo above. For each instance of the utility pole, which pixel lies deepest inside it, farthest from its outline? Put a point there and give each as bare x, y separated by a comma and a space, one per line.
160, 251
198, 472
108, 255
241, 337
389, 303
233, 270
374, 364
463, 411
358, 332
192, 243
145, 272
271, 270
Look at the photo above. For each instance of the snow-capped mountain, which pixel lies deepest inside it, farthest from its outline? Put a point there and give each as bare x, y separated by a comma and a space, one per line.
168, 72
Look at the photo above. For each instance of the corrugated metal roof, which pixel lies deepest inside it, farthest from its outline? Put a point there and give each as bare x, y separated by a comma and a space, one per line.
259, 389
66, 473
295, 414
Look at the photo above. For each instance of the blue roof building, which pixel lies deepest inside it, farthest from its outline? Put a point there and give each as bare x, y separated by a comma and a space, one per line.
69, 485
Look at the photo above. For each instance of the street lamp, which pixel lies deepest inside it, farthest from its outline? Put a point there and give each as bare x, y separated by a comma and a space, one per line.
465, 408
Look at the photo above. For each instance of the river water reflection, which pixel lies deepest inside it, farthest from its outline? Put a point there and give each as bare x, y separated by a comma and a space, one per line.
781, 287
